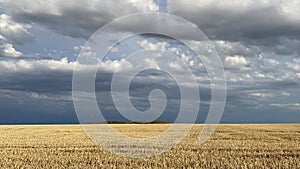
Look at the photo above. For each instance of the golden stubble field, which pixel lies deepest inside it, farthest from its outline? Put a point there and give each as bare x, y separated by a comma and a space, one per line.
231, 146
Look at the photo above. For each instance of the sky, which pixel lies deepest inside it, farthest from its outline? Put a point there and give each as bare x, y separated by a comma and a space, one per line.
257, 42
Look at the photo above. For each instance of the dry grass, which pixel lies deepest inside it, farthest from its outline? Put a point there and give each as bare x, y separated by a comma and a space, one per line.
232, 146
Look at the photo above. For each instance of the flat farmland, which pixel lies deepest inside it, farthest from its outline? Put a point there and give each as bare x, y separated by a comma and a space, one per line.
231, 146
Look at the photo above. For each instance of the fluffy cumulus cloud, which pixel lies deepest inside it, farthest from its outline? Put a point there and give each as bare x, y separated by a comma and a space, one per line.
235, 62
11, 66
160, 46
62, 65
228, 48
13, 31
77, 19
295, 65
7, 49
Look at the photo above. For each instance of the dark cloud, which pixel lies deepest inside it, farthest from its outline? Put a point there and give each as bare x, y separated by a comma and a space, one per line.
236, 20
78, 19
28, 110
44, 96
32, 85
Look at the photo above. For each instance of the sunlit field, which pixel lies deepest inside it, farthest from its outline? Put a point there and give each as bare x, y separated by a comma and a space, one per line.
231, 146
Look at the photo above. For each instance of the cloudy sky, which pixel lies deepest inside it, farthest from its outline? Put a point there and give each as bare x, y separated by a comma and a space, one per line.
258, 42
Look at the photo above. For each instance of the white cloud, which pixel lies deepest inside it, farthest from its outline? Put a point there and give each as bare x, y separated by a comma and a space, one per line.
176, 66
2, 38
145, 5
7, 50
115, 65
295, 65
159, 47
263, 95
288, 105
63, 65
114, 50
151, 63
270, 64
13, 31
77, 48
235, 62
285, 93
227, 48
37, 95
